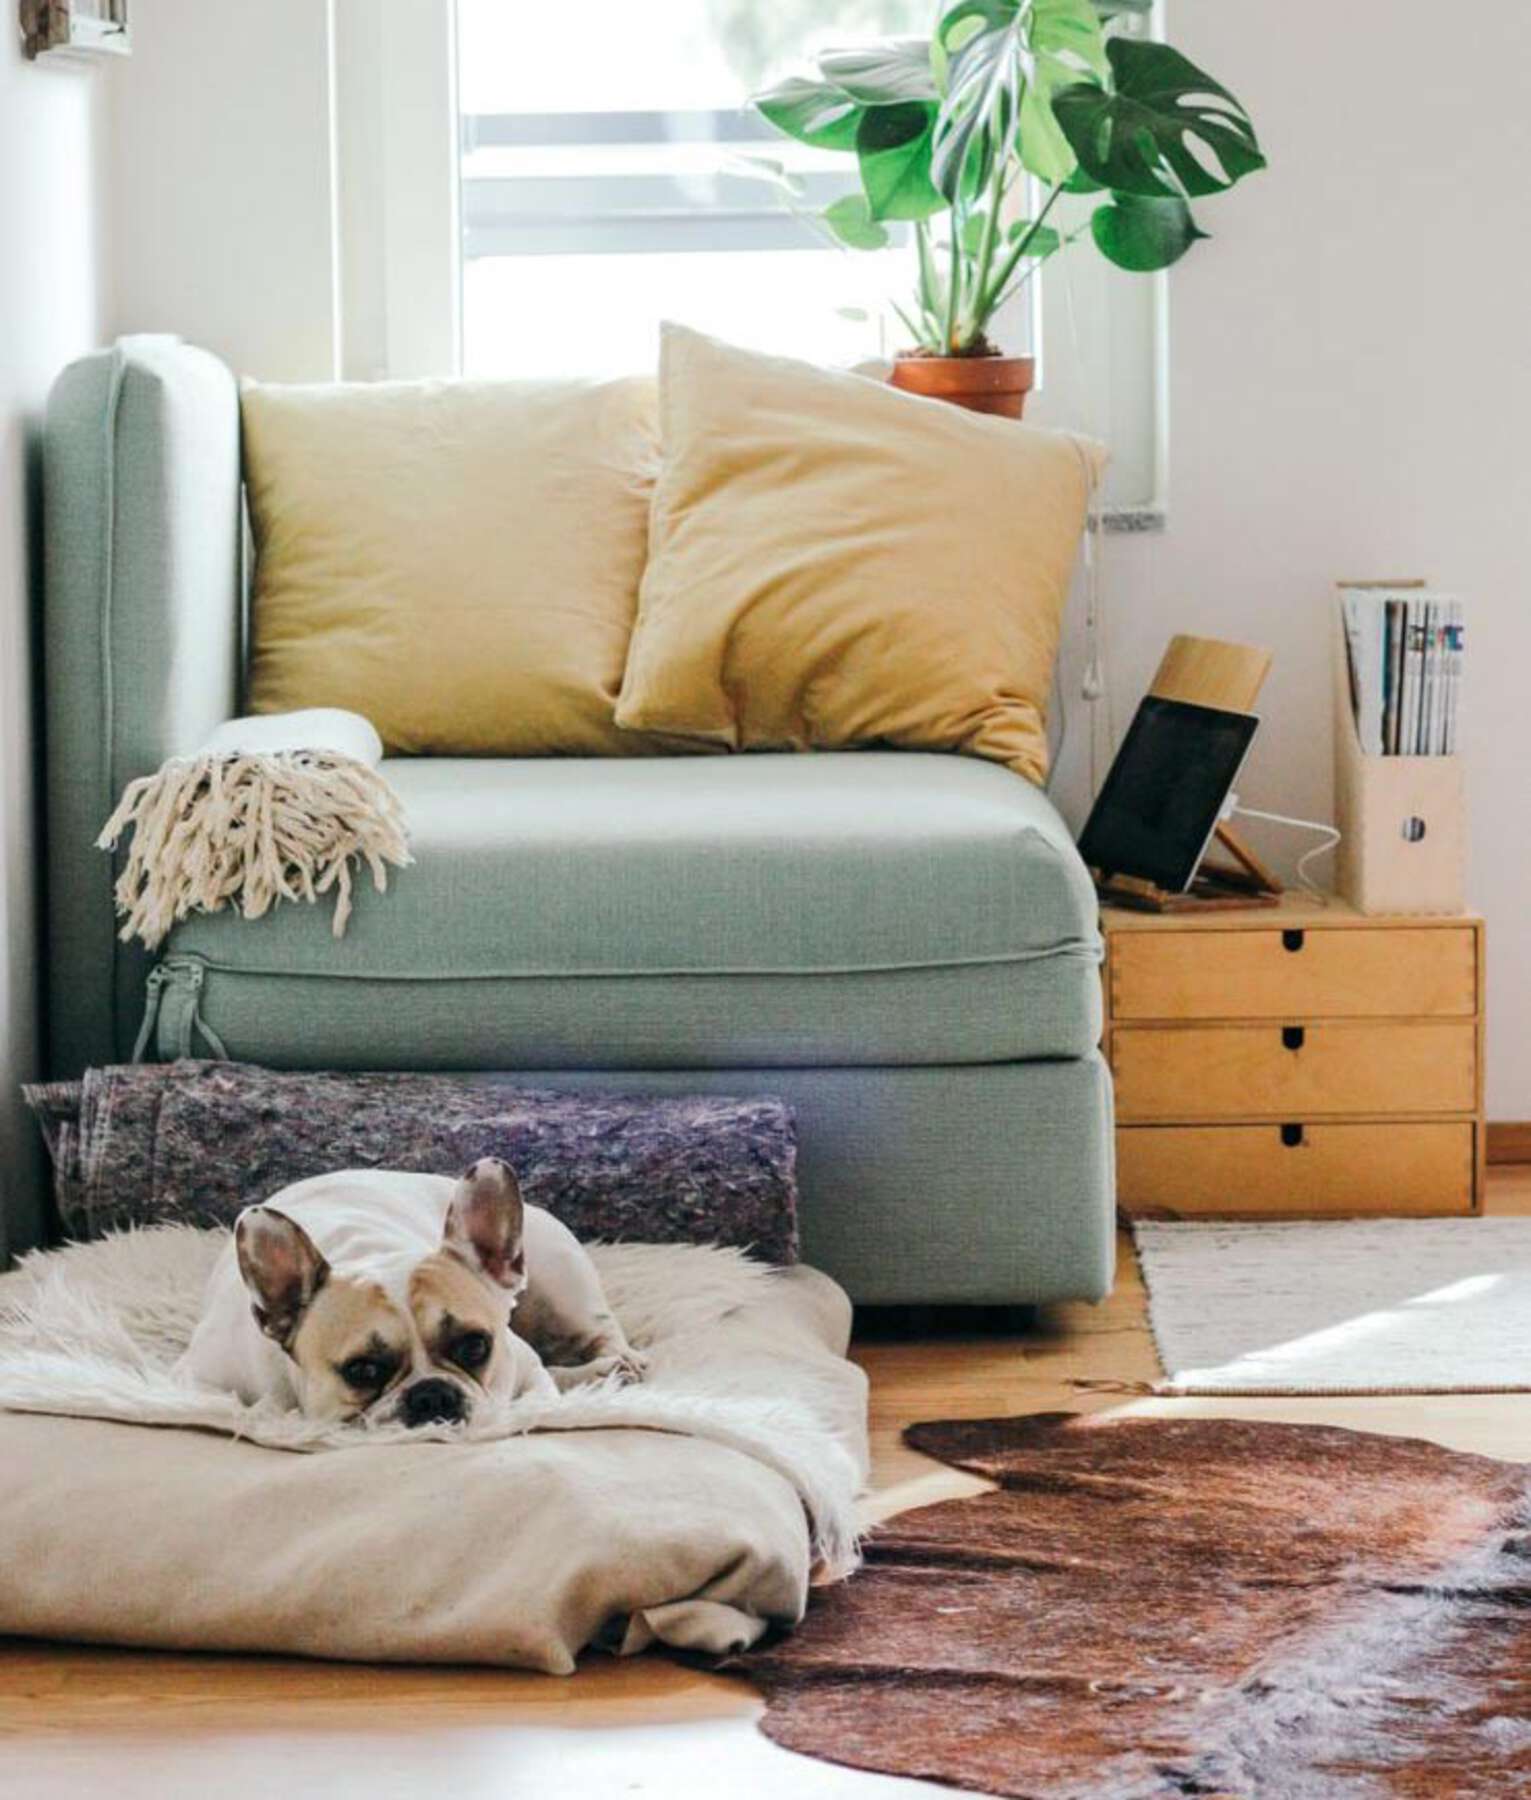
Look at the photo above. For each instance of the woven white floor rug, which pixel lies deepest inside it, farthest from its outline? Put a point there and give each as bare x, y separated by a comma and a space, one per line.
1377, 1306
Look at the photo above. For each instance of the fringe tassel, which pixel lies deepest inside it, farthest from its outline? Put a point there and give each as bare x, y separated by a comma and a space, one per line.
248, 830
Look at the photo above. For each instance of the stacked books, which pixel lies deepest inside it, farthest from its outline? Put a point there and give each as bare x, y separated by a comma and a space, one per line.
1404, 650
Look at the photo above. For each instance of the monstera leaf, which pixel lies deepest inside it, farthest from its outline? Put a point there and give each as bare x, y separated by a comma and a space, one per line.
884, 74
893, 146
1143, 235
814, 112
850, 219
947, 125
1066, 36
1005, 59
828, 113
1044, 241
1045, 150
1165, 132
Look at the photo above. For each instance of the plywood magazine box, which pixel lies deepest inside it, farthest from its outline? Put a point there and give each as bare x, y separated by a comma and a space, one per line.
1403, 819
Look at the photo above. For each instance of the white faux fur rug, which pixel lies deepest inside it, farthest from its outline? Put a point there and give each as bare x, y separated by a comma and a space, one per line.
1376, 1306
93, 1331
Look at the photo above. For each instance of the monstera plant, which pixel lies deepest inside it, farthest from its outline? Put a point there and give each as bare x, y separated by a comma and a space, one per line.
1009, 99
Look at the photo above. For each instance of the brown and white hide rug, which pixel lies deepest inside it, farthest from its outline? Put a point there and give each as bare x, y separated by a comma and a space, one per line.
1152, 1608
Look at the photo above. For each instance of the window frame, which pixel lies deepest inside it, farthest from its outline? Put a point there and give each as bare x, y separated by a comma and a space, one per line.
405, 221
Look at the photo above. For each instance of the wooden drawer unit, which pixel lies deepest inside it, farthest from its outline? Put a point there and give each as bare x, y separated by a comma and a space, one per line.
1320, 974
1298, 1170
1294, 1071
1295, 1062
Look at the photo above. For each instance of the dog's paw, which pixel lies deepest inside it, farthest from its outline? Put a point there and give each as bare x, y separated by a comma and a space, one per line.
630, 1367
623, 1367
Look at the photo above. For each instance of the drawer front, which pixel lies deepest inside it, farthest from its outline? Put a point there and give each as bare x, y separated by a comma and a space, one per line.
1293, 1071
1232, 1171
1333, 973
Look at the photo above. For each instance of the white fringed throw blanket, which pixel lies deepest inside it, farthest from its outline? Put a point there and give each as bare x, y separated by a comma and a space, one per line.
269, 809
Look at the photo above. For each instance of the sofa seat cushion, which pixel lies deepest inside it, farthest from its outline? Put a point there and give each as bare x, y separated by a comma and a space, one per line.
866, 907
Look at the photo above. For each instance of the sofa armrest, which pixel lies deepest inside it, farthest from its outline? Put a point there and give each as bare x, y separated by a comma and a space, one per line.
142, 639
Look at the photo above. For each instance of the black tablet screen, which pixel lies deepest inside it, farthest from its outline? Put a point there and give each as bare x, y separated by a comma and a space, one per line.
1165, 791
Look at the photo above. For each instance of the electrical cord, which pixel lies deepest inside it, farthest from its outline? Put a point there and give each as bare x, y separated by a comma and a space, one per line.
1329, 833
1094, 683
1094, 687
1091, 685
1061, 708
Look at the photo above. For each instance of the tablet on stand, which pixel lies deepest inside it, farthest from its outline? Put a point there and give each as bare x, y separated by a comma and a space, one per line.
1167, 798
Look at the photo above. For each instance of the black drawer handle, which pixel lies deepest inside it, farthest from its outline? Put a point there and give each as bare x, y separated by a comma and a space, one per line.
1293, 1036
1291, 1136
1293, 940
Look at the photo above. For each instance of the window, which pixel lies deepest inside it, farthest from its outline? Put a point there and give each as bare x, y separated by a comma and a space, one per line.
608, 185
535, 200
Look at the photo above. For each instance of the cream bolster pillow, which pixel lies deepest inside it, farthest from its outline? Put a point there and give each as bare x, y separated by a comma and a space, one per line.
833, 562
457, 560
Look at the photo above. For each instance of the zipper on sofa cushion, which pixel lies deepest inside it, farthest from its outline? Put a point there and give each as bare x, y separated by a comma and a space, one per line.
172, 1016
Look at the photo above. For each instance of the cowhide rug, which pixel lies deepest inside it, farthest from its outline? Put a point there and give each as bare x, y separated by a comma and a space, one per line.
1153, 1608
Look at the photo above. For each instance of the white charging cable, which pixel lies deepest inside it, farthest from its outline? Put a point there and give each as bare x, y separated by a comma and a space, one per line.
1329, 833
1094, 685
1061, 710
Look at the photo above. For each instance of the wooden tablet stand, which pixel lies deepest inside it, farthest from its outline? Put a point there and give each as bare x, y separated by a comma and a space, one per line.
1206, 672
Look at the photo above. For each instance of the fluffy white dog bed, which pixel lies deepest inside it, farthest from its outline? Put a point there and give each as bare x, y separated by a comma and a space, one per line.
692, 1509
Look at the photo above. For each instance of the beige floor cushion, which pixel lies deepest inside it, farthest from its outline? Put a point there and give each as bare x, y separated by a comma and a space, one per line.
689, 1510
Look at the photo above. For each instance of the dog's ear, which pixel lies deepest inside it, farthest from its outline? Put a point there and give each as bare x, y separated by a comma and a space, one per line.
282, 1268
485, 1220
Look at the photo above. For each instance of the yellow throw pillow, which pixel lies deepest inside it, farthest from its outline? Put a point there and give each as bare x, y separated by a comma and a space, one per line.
458, 561
833, 562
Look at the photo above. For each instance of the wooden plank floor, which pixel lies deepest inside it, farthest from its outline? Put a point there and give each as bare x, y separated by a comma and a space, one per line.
80, 1722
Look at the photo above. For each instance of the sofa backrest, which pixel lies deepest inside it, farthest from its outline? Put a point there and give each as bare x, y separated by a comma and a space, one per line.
141, 639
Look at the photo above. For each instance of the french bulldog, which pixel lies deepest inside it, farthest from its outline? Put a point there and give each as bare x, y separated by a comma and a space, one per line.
377, 1295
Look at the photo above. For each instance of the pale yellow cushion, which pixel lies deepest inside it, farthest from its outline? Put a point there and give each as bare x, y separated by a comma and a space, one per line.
458, 561
833, 563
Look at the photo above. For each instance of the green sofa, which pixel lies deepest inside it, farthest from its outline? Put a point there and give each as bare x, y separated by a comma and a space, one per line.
903, 946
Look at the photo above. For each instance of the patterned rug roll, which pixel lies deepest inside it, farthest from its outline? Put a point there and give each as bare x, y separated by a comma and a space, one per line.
194, 1142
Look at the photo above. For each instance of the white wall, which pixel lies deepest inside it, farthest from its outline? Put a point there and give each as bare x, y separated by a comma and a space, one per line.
1350, 392
236, 129
223, 192
1348, 375
51, 273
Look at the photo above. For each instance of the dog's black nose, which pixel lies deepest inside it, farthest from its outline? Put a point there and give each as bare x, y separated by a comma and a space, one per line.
432, 1402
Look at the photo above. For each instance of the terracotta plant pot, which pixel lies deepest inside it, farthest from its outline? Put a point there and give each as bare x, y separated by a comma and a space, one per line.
986, 384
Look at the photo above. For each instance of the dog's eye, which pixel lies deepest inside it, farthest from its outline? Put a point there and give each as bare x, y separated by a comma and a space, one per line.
472, 1350
363, 1372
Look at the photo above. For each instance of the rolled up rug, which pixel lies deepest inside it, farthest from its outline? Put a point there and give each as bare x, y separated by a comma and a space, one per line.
270, 808
194, 1142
